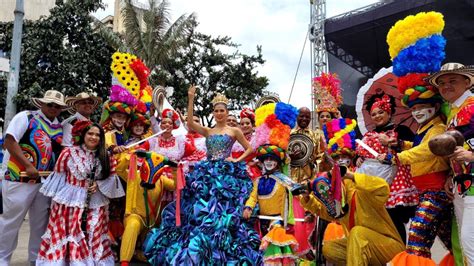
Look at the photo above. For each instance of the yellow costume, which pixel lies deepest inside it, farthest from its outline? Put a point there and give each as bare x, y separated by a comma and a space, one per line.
114, 138
372, 238
140, 215
271, 199
307, 172
421, 160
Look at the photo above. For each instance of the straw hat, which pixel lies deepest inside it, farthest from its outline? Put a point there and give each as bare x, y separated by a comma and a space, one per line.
50, 96
452, 68
71, 101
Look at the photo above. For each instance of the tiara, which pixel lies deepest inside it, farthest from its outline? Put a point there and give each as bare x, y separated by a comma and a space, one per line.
220, 98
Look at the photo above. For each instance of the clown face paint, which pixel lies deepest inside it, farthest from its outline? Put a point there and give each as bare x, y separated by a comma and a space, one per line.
119, 120
270, 165
423, 115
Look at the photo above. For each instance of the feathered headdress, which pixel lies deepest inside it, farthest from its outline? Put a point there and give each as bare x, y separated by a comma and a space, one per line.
416, 48
327, 89
130, 92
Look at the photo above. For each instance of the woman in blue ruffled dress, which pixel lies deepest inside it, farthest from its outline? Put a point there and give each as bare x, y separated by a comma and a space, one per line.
211, 231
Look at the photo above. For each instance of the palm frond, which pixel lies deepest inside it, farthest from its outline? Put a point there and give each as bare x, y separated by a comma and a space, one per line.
176, 36
112, 38
133, 30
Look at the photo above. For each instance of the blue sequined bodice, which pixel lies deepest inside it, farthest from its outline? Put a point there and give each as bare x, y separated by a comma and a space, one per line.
219, 146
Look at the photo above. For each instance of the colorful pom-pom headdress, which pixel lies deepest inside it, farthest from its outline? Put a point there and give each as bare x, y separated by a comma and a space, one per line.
274, 122
327, 89
416, 48
130, 93
340, 136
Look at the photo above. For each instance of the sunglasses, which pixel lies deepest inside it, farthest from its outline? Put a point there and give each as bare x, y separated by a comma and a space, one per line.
55, 106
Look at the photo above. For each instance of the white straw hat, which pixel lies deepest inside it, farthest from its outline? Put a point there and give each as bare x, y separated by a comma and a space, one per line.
452, 68
50, 96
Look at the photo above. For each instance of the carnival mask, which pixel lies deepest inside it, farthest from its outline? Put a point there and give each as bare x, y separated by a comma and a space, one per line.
270, 165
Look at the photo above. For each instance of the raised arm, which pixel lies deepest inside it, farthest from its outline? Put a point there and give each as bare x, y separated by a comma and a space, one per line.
191, 124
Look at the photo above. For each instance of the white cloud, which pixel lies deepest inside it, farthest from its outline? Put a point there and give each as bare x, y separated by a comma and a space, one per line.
280, 26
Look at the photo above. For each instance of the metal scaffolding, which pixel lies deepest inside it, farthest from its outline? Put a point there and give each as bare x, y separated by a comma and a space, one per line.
316, 37
319, 55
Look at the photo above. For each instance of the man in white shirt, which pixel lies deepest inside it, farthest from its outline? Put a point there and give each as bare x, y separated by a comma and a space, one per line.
82, 107
454, 81
32, 143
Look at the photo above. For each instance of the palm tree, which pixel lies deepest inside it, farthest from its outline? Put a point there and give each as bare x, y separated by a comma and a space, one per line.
149, 33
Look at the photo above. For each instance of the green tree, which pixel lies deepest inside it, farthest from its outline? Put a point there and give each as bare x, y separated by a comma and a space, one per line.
62, 52
150, 34
204, 64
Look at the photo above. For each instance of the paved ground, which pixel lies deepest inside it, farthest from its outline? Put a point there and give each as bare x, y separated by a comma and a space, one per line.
20, 257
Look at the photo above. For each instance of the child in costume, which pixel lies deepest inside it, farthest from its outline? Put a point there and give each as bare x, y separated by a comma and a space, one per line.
429, 172
272, 190
80, 187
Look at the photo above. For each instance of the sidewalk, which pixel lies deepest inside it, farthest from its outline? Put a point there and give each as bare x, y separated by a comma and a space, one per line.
20, 256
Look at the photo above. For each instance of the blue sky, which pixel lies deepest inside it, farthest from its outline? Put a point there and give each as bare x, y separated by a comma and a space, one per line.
280, 26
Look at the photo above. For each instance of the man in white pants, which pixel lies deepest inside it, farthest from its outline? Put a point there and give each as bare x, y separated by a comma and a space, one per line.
33, 143
454, 81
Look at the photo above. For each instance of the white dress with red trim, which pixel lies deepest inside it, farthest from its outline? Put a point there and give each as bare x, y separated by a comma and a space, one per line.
65, 242
195, 148
173, 148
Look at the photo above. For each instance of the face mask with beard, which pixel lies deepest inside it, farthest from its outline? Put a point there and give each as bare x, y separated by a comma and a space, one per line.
270, 165
423, 115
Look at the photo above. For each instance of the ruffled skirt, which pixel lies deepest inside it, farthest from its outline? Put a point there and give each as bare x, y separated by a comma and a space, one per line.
212, 231
64, 242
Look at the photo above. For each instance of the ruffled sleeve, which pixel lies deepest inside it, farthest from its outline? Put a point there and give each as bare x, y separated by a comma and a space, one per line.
111, 186
181, 143
57, 179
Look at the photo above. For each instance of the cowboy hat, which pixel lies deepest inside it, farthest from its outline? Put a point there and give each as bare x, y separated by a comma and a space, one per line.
71, 101
452, 68
50, 96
